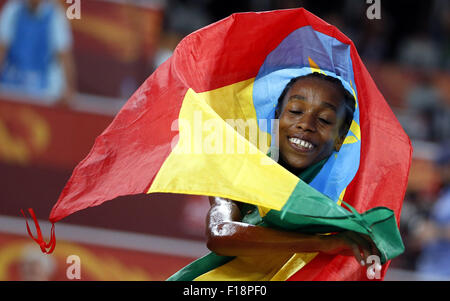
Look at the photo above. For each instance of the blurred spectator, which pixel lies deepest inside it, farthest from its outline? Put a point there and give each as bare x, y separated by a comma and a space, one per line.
184, 17
440, 29
36, 266
423, 187
434, 234
429, 114
375, 39
181, 18
168, 43
414, 213
419, 52
35, 51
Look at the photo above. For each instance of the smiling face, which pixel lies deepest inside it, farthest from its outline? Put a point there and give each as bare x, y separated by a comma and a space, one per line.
312, 113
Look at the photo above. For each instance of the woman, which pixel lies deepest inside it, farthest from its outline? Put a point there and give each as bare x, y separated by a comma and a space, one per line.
315, 112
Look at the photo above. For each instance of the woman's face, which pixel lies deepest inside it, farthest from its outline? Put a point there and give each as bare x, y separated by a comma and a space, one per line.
312, 113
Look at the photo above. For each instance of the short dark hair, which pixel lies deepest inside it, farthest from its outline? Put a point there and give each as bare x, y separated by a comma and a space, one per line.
349, 100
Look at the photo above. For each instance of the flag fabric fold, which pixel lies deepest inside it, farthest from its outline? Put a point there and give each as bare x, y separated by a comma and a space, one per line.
203, 123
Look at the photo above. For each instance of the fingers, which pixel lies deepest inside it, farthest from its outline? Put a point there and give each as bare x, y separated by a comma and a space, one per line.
360, 254
366, 253
357, 253
369, 244
361, 247
359, 240
354, 244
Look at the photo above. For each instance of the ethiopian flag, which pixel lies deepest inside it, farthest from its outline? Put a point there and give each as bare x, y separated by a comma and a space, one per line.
203, 123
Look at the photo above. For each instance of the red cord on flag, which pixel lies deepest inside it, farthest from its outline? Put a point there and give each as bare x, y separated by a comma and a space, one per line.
46, 248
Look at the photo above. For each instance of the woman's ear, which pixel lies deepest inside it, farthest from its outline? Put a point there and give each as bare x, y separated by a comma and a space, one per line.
277, 113
338, 142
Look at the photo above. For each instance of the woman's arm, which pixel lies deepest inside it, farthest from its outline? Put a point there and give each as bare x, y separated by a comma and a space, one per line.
227, 235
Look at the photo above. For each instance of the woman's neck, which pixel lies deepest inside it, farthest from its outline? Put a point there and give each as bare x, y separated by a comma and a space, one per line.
295, 171
306, 174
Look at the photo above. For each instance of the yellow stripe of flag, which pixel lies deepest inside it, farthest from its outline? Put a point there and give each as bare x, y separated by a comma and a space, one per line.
225, 163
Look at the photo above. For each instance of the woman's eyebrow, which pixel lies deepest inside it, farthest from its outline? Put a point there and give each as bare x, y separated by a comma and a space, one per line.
328, 105
296, 96
322, 103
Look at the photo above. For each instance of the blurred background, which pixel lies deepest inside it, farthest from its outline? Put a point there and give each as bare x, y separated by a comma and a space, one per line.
63, 80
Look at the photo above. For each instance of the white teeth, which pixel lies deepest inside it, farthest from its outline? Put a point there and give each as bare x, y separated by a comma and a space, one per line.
301, 142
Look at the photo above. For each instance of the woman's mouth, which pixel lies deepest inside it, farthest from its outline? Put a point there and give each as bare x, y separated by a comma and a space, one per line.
301, 145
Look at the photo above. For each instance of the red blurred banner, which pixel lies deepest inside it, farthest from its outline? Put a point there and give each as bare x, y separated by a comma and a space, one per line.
21, 260
46, 136
114, 45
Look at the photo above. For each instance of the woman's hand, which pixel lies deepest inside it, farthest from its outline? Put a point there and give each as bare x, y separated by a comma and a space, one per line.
350, 244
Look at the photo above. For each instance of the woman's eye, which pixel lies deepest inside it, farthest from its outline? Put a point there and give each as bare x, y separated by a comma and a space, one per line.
325, 121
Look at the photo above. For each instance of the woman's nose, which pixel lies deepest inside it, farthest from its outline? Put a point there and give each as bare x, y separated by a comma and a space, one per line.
306, 123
